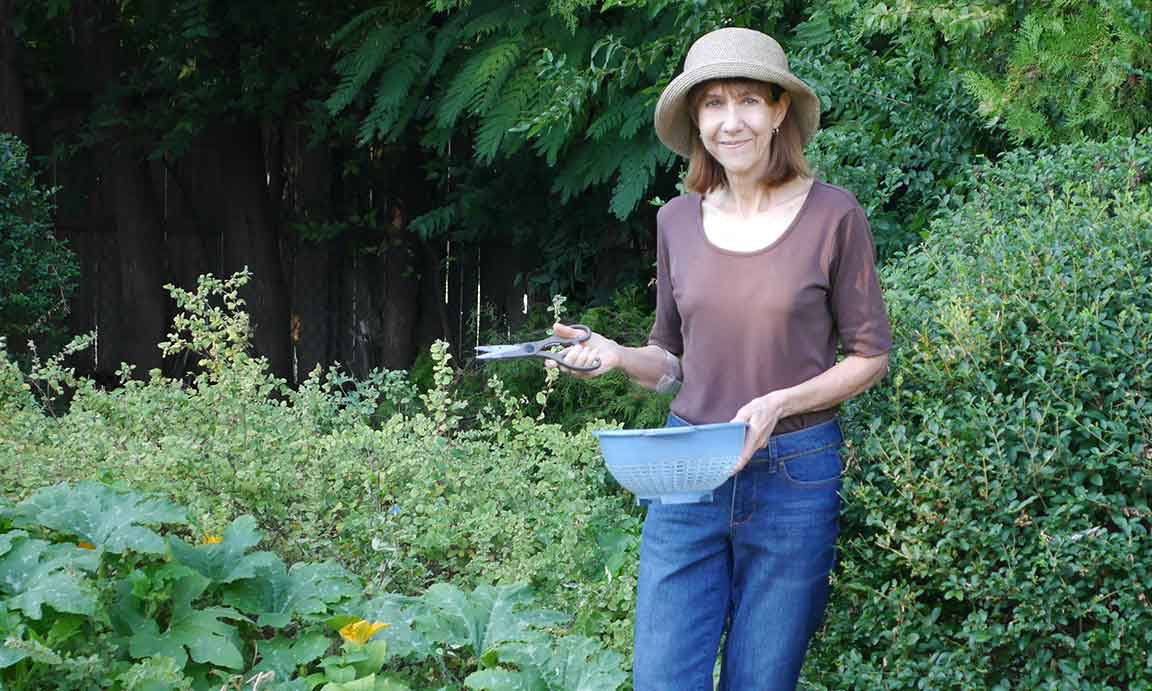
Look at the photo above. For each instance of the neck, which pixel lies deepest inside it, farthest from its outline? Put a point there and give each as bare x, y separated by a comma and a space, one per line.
746, 195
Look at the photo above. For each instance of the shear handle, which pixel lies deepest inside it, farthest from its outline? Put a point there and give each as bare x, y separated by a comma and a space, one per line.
556, 340
558, 358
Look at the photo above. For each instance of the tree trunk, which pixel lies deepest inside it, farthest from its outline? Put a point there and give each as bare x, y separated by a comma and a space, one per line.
13, 117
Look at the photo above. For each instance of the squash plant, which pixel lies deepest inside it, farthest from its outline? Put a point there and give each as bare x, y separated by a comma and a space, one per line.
105, 588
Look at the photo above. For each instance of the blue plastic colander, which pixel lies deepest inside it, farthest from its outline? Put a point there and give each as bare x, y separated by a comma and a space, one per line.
673, 465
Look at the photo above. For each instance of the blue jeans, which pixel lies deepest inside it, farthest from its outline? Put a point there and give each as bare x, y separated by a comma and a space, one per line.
753, 562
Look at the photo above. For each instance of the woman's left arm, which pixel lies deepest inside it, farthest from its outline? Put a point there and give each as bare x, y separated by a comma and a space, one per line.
850, 377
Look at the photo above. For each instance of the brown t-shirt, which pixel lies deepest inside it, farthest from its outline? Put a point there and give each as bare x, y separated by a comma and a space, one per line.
748, 323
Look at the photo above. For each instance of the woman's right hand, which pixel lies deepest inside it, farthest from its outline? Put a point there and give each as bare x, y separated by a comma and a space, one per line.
597, 347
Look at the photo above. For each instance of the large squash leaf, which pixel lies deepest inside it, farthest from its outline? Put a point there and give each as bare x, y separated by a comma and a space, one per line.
485, 618
8, 539
399, 613
35, 573
276, 594
108, 519
11, 629
504, 680
201, 634
225, 561
284, 655
573, 663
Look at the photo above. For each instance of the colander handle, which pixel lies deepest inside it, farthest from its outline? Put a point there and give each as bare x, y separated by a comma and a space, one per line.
668, 431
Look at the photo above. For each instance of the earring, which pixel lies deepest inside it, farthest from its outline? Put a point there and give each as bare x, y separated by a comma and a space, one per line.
776, 130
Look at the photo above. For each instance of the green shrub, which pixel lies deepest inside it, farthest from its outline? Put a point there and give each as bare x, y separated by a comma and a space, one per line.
997, 517
37, 271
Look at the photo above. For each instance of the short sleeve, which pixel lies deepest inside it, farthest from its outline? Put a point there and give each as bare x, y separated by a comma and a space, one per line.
857, 304
666, 331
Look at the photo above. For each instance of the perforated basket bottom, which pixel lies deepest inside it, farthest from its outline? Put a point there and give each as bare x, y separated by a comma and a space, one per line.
673, 476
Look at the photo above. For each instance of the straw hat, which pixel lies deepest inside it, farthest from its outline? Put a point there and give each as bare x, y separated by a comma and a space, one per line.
728, 53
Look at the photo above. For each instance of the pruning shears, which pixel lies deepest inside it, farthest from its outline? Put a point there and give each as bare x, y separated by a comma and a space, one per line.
538, 349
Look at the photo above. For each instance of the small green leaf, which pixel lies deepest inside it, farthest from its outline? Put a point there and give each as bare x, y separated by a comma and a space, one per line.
375, 653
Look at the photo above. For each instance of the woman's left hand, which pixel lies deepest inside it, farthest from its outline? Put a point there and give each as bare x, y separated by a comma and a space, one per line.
761, 414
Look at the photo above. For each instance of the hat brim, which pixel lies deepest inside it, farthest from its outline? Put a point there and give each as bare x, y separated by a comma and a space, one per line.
673, 121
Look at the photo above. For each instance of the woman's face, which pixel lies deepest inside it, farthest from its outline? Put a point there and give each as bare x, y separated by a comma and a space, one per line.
736, 122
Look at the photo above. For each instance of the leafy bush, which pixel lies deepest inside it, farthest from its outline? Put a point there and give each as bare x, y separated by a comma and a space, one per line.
91, 596
410, 501
37, 271
1076, 70
997, 520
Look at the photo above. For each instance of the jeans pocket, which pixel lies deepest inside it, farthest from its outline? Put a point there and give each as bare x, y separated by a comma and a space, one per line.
818, 468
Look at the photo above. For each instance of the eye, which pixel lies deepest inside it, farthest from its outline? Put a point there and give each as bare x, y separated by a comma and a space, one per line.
751, 100
711, 102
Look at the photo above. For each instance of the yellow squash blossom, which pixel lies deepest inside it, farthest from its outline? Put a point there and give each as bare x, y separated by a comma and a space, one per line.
211, 540
85, 545
360, 631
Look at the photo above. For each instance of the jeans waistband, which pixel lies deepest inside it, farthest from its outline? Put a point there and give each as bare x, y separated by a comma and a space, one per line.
781, 447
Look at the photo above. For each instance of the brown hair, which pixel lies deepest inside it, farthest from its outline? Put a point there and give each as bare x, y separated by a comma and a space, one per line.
785, 160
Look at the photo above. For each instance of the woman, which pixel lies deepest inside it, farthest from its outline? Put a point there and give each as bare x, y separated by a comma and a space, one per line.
762, 272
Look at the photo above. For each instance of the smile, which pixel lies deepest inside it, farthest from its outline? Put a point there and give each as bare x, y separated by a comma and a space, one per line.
733, 145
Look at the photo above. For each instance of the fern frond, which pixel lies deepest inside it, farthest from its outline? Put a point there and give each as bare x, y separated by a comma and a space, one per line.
486, 23
394, 93
469, 87
357, 67
637, 168
591, 164
549, 143
435, 223
506, 114
355, 24
499, 64
446, 39
607, 122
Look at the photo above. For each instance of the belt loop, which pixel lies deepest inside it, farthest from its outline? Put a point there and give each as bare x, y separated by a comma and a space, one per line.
772, 454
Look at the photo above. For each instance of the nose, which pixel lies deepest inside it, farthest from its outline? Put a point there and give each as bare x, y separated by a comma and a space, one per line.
733, 120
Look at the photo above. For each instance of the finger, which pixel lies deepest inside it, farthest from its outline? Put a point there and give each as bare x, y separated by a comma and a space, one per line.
565, 331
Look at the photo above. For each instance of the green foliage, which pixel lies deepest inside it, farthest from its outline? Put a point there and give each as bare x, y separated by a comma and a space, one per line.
436, 492
37, 272
999, 493
75, 617
1076, 70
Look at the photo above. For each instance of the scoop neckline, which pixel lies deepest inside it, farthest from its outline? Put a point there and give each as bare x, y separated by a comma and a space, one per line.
767, 248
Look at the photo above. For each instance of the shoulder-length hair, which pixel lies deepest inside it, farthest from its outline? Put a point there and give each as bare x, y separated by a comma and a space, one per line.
785, 160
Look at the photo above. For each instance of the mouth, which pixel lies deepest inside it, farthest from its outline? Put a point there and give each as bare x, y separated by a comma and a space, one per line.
734, 145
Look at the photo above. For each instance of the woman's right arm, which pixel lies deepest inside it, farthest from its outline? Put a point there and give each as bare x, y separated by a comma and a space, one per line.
649, 366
